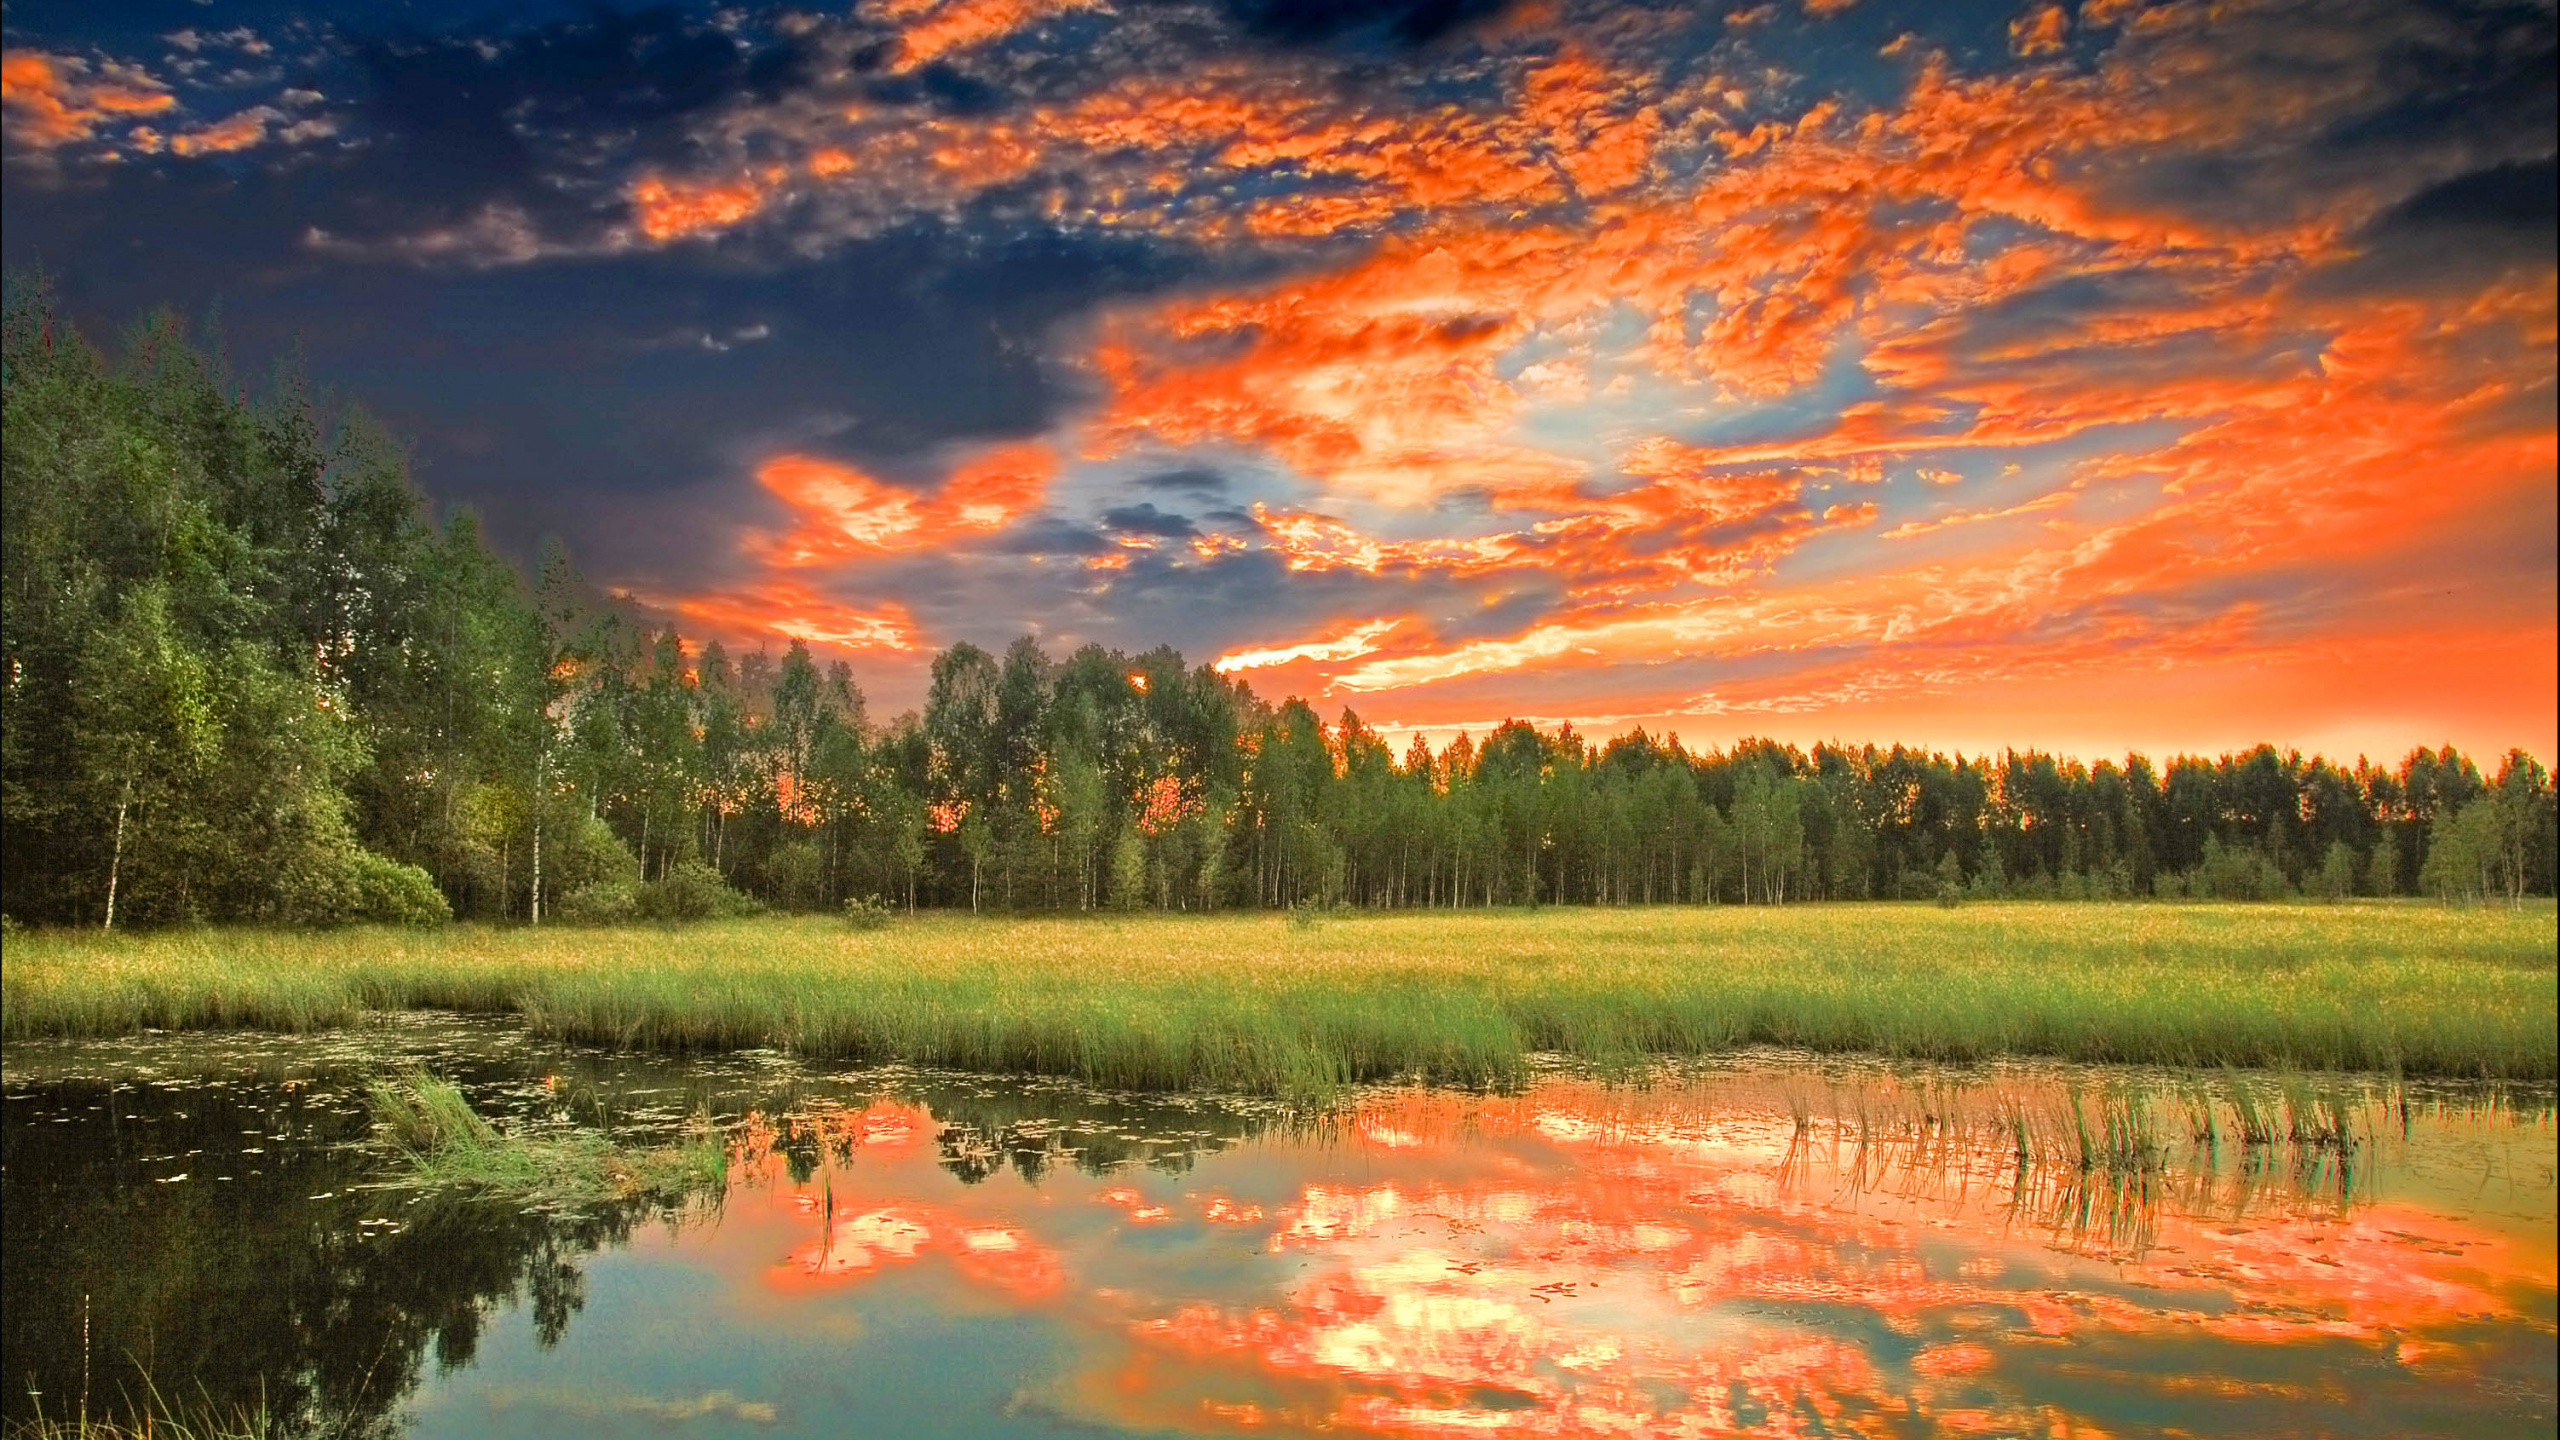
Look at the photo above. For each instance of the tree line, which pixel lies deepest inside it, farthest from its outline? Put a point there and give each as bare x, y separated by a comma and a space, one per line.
251, 676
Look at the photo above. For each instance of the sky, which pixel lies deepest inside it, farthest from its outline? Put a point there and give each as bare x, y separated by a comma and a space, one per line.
2163, 377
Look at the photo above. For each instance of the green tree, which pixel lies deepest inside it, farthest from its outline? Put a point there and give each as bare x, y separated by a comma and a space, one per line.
146, 724
1128, 870
2462, 852
2520, 831
2336, 878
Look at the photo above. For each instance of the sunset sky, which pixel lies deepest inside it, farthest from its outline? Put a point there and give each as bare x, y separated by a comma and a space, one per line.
2120, 376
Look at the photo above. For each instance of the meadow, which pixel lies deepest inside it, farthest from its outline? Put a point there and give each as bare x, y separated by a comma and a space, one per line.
1258, 1003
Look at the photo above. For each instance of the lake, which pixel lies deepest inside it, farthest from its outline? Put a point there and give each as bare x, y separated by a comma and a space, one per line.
1766, 1242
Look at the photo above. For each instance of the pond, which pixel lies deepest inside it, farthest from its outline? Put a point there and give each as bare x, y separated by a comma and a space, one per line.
1765, 1242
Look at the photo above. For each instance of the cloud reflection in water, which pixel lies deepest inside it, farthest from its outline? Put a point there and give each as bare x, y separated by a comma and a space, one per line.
1580, 1260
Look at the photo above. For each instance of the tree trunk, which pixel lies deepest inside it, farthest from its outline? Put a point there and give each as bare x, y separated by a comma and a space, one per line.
115, 857
537, 867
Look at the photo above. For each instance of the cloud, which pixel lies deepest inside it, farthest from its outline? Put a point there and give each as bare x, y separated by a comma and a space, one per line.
2515, 197
668, 210
2457, 235
2040, 31
238, 132
1192, 480
51, 100
786, 607
1405, 22
2050, 500
841, 513
1145, 519
1350, 644
930, 31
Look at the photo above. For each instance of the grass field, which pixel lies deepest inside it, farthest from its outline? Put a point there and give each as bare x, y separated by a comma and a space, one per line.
1249, 1002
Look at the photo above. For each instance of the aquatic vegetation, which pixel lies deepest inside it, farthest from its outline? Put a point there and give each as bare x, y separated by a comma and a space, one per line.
1258, 1004
154, 1419
442, 1144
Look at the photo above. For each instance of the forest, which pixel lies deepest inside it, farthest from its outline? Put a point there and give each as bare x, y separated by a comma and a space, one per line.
253, 675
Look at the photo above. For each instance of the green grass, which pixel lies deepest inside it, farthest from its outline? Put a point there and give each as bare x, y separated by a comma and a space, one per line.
1250, 1002
442, 1144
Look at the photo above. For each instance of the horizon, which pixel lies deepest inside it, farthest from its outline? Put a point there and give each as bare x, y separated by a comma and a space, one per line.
2087, 380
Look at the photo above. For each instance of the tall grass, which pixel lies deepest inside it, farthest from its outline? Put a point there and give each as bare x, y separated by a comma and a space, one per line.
1252, 1003
158, 1420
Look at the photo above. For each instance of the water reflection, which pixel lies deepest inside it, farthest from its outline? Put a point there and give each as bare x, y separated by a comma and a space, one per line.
1581, 1261
210, 1236
1764, 1245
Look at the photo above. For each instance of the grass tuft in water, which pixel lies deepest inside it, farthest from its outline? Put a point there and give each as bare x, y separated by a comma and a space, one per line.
425, 1116
444, 1145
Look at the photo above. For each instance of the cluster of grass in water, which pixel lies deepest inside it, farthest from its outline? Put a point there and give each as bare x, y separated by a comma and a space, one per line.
443, 1144
2132, 1129
1253, 1003
2100, 1166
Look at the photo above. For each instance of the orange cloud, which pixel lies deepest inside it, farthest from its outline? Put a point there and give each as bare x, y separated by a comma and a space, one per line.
961, 24
785, 607
2039, 32
1380, 378
842, 513
1308, 541
1686, 524
52, 100
670, 210
239, 132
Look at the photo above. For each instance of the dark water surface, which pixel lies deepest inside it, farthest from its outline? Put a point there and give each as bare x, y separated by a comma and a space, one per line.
1767, 1243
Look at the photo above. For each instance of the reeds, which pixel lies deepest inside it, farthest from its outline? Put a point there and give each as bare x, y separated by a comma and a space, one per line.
1254, 1003
2097, 1167
155, 1418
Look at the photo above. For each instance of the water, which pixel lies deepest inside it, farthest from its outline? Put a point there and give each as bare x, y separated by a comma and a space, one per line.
1765, 1243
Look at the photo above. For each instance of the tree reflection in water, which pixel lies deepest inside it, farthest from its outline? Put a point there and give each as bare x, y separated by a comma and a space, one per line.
221, 1245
